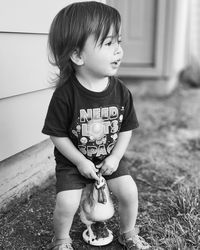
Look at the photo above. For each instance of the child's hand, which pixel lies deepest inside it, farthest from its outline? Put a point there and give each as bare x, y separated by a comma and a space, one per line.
109, 165
88, 169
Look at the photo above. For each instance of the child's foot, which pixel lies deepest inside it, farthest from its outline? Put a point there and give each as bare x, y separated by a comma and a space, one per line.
64, 244
131, 240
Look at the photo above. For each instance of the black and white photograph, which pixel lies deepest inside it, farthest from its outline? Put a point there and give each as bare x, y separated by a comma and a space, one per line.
100, 125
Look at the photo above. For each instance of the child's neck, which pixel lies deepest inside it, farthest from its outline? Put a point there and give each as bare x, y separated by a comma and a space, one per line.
92, 83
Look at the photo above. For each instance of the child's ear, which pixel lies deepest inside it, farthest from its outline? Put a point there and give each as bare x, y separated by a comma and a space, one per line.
77, 58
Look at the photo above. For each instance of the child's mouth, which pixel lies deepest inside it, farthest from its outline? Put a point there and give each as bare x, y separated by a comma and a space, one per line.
116, 63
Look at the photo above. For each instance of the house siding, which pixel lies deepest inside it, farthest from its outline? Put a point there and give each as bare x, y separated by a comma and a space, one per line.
24, 91
26, 155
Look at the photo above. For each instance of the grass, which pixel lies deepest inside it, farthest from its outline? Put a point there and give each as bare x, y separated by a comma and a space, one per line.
169, 218
173, 221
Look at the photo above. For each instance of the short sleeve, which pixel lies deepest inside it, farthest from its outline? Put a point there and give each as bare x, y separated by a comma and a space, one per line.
130, 121
57, 118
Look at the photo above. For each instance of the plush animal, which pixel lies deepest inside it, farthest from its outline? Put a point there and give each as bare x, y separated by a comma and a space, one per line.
96, 206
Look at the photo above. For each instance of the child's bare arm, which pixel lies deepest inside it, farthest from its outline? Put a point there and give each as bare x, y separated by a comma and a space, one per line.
110, 164
122, 144
67, 148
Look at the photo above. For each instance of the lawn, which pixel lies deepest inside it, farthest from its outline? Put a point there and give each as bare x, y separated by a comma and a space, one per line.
164, 160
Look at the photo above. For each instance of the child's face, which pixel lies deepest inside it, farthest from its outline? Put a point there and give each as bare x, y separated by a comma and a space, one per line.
102, 60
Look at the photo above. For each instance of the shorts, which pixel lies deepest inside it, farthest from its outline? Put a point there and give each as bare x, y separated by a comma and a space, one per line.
69, 178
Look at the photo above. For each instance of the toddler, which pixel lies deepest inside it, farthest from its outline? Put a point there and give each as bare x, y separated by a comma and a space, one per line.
90, 116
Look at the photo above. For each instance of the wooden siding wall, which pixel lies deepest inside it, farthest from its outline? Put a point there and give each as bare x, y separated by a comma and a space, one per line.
25, 90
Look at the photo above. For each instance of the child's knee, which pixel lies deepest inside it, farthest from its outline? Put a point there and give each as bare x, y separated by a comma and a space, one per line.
129, 194
67, 204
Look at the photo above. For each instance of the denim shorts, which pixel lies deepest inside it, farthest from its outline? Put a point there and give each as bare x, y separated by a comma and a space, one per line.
69, 178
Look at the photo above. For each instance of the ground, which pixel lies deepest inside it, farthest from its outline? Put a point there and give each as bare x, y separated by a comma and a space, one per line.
163, 158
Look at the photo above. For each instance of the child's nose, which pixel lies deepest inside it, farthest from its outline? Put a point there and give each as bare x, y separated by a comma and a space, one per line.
118, 48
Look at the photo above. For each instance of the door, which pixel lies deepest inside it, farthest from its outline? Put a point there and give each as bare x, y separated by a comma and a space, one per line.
143, 25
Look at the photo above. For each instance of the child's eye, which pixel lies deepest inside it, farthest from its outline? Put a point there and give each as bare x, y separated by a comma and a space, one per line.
108, 43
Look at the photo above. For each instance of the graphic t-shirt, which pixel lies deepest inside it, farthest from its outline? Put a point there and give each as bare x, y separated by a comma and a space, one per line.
92, 120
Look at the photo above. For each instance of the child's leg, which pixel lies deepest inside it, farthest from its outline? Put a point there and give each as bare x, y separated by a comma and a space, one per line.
125, 189
67, 203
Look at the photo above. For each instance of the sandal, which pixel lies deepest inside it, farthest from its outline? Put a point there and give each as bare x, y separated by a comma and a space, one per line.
131, 240
62, 244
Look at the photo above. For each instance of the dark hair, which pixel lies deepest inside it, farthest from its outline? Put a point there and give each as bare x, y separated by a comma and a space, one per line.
72, 26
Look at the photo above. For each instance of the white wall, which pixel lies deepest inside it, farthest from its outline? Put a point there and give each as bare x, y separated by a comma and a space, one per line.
176, 34
21, 121
194, 30
29, 16
25, 93
24, 66
25, 72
